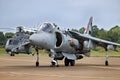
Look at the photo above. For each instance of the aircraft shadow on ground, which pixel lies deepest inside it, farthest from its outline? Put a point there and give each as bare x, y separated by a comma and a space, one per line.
61, 66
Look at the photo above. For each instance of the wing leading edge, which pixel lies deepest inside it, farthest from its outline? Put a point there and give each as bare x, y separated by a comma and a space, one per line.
94, 39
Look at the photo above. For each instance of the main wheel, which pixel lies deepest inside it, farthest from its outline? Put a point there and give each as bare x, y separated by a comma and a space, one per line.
66, 62
72, 62
11, 54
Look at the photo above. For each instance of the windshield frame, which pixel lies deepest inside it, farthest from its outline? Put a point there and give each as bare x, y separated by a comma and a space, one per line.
46, 27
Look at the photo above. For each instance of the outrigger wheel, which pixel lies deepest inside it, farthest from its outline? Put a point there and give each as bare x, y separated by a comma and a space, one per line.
37, 64
106, 63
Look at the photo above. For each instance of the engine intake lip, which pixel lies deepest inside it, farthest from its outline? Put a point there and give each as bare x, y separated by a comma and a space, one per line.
59, 39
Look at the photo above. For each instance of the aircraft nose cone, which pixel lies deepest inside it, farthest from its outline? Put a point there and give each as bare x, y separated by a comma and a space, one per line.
43, 40
33, 38
37, 40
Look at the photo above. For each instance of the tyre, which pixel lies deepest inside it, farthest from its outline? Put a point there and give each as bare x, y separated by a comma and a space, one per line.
106, 63
66, 62
37, 64
72, 62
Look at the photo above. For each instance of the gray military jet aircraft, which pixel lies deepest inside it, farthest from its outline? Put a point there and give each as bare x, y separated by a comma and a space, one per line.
67, 45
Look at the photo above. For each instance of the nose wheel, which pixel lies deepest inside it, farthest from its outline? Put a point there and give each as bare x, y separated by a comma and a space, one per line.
54, 64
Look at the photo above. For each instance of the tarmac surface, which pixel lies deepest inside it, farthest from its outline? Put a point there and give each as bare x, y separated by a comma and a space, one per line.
92, 68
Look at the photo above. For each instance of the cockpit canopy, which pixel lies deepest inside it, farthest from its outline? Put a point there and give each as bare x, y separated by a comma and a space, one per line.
46, 27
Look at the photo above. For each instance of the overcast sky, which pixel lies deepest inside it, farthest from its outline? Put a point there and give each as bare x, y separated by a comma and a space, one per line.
65, 13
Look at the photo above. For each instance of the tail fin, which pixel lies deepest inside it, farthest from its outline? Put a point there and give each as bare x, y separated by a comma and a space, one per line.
88, 30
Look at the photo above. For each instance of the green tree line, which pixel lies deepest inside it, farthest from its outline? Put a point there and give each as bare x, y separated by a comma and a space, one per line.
4, 37
111, 35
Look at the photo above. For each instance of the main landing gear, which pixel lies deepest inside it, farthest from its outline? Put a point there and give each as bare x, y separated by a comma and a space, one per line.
68, 62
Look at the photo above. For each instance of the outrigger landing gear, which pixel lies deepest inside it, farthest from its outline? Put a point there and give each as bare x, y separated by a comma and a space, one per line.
106, 62
37, 61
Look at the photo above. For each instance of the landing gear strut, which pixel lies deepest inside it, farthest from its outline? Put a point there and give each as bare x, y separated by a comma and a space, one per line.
54, 62
68, 61
106, 62
37, 61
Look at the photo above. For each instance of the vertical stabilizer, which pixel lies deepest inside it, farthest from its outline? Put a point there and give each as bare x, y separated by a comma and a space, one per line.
88, 30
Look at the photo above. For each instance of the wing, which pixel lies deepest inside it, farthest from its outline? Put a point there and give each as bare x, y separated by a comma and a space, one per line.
93, 41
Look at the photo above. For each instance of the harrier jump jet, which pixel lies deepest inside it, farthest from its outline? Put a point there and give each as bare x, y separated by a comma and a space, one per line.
67, 45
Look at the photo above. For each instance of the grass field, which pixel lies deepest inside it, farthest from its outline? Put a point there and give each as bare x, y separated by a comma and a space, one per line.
100, 52
2, 51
